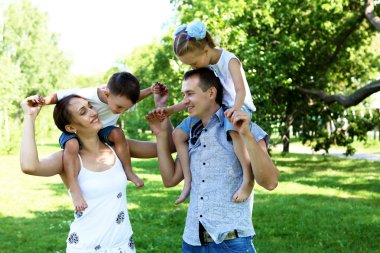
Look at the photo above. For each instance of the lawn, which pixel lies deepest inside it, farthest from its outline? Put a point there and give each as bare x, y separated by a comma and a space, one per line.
322, 204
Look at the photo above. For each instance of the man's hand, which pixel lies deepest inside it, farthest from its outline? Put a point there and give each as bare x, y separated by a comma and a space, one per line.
160, 94
32, 105
157, 122
241, 121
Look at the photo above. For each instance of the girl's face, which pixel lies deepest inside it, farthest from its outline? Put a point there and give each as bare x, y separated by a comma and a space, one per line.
83, 116
196, 59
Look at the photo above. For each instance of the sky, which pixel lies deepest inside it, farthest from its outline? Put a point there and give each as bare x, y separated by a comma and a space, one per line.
94, 33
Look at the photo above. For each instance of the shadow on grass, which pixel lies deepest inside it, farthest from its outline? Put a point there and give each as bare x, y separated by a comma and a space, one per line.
294, 223
315, 223
330, 172
283, 223
45, 232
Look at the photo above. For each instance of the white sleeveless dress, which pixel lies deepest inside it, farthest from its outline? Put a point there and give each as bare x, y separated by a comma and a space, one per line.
104, 226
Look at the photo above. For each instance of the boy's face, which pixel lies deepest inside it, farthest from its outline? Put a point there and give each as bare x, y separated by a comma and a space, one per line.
118, 104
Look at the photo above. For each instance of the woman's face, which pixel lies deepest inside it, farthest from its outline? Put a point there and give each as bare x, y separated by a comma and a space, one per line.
83, 116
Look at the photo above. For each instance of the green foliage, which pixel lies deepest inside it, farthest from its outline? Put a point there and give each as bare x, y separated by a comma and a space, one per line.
283, 45
151, 63
29, 45
322, 204
31, 63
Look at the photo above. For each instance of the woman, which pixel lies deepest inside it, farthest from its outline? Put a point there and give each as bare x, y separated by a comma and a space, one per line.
104, 226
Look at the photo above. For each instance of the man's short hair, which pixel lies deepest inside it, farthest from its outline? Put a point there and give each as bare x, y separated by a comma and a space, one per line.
124, 84
207, 79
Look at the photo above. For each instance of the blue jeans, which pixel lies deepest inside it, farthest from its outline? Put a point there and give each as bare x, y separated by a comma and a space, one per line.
238, 245
103, 136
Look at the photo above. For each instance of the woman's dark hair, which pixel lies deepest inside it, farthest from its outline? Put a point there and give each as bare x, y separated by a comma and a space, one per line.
61, 114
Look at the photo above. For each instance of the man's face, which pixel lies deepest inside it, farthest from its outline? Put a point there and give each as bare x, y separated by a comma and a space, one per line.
119, 104
196, 101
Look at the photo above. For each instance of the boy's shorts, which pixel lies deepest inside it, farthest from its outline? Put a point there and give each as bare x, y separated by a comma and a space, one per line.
103, 136
187, 123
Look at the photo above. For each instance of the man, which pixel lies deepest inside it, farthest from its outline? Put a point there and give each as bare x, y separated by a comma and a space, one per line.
214, 222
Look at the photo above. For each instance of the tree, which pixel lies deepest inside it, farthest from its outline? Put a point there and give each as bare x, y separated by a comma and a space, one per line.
31, 63
290, 49
150, 63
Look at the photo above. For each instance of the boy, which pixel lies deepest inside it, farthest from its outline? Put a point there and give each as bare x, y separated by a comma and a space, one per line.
120, 94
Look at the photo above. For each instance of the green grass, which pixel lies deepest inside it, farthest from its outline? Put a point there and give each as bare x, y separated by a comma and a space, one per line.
370, 146
322, 204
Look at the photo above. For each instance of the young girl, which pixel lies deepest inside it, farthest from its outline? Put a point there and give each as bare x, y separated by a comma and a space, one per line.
194, 46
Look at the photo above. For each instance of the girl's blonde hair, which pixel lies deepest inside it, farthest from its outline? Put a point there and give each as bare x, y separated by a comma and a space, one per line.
183, 43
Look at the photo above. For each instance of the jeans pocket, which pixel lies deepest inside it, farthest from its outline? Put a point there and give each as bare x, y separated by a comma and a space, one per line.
238, 245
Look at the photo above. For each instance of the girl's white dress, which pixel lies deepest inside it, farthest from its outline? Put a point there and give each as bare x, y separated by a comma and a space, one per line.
104, 225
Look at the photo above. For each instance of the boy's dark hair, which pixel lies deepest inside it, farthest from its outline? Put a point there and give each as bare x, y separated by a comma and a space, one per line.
207, 79
61, 114
124, 84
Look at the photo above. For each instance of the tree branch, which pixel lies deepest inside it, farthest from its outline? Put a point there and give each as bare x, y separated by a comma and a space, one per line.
347, 101
342, 38
370, 13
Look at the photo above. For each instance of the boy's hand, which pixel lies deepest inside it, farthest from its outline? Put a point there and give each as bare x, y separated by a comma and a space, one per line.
160, 94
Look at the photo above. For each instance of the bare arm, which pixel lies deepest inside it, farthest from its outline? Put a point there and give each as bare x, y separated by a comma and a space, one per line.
51, 99
145, 93
29, 160
266, 174
174, 108
234, 68
170, 170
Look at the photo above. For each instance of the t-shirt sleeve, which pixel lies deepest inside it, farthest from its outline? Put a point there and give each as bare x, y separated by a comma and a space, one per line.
186, 124
85, 93
64, 93
259, 133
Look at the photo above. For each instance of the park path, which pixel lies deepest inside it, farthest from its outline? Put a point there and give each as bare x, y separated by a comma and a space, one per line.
334, 152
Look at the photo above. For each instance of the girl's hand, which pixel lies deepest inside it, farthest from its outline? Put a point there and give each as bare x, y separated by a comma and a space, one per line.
160, 94
228, 113
32, 105
241, 121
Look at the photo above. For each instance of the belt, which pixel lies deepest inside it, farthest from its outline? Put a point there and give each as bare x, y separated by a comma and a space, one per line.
230, 236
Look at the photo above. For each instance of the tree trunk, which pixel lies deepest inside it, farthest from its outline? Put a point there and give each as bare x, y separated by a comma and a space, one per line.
285, 142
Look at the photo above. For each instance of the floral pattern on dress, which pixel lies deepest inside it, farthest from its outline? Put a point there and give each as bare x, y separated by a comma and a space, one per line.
98, 247
131, 243
73, 238
119, 195
78, 214
120, 217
